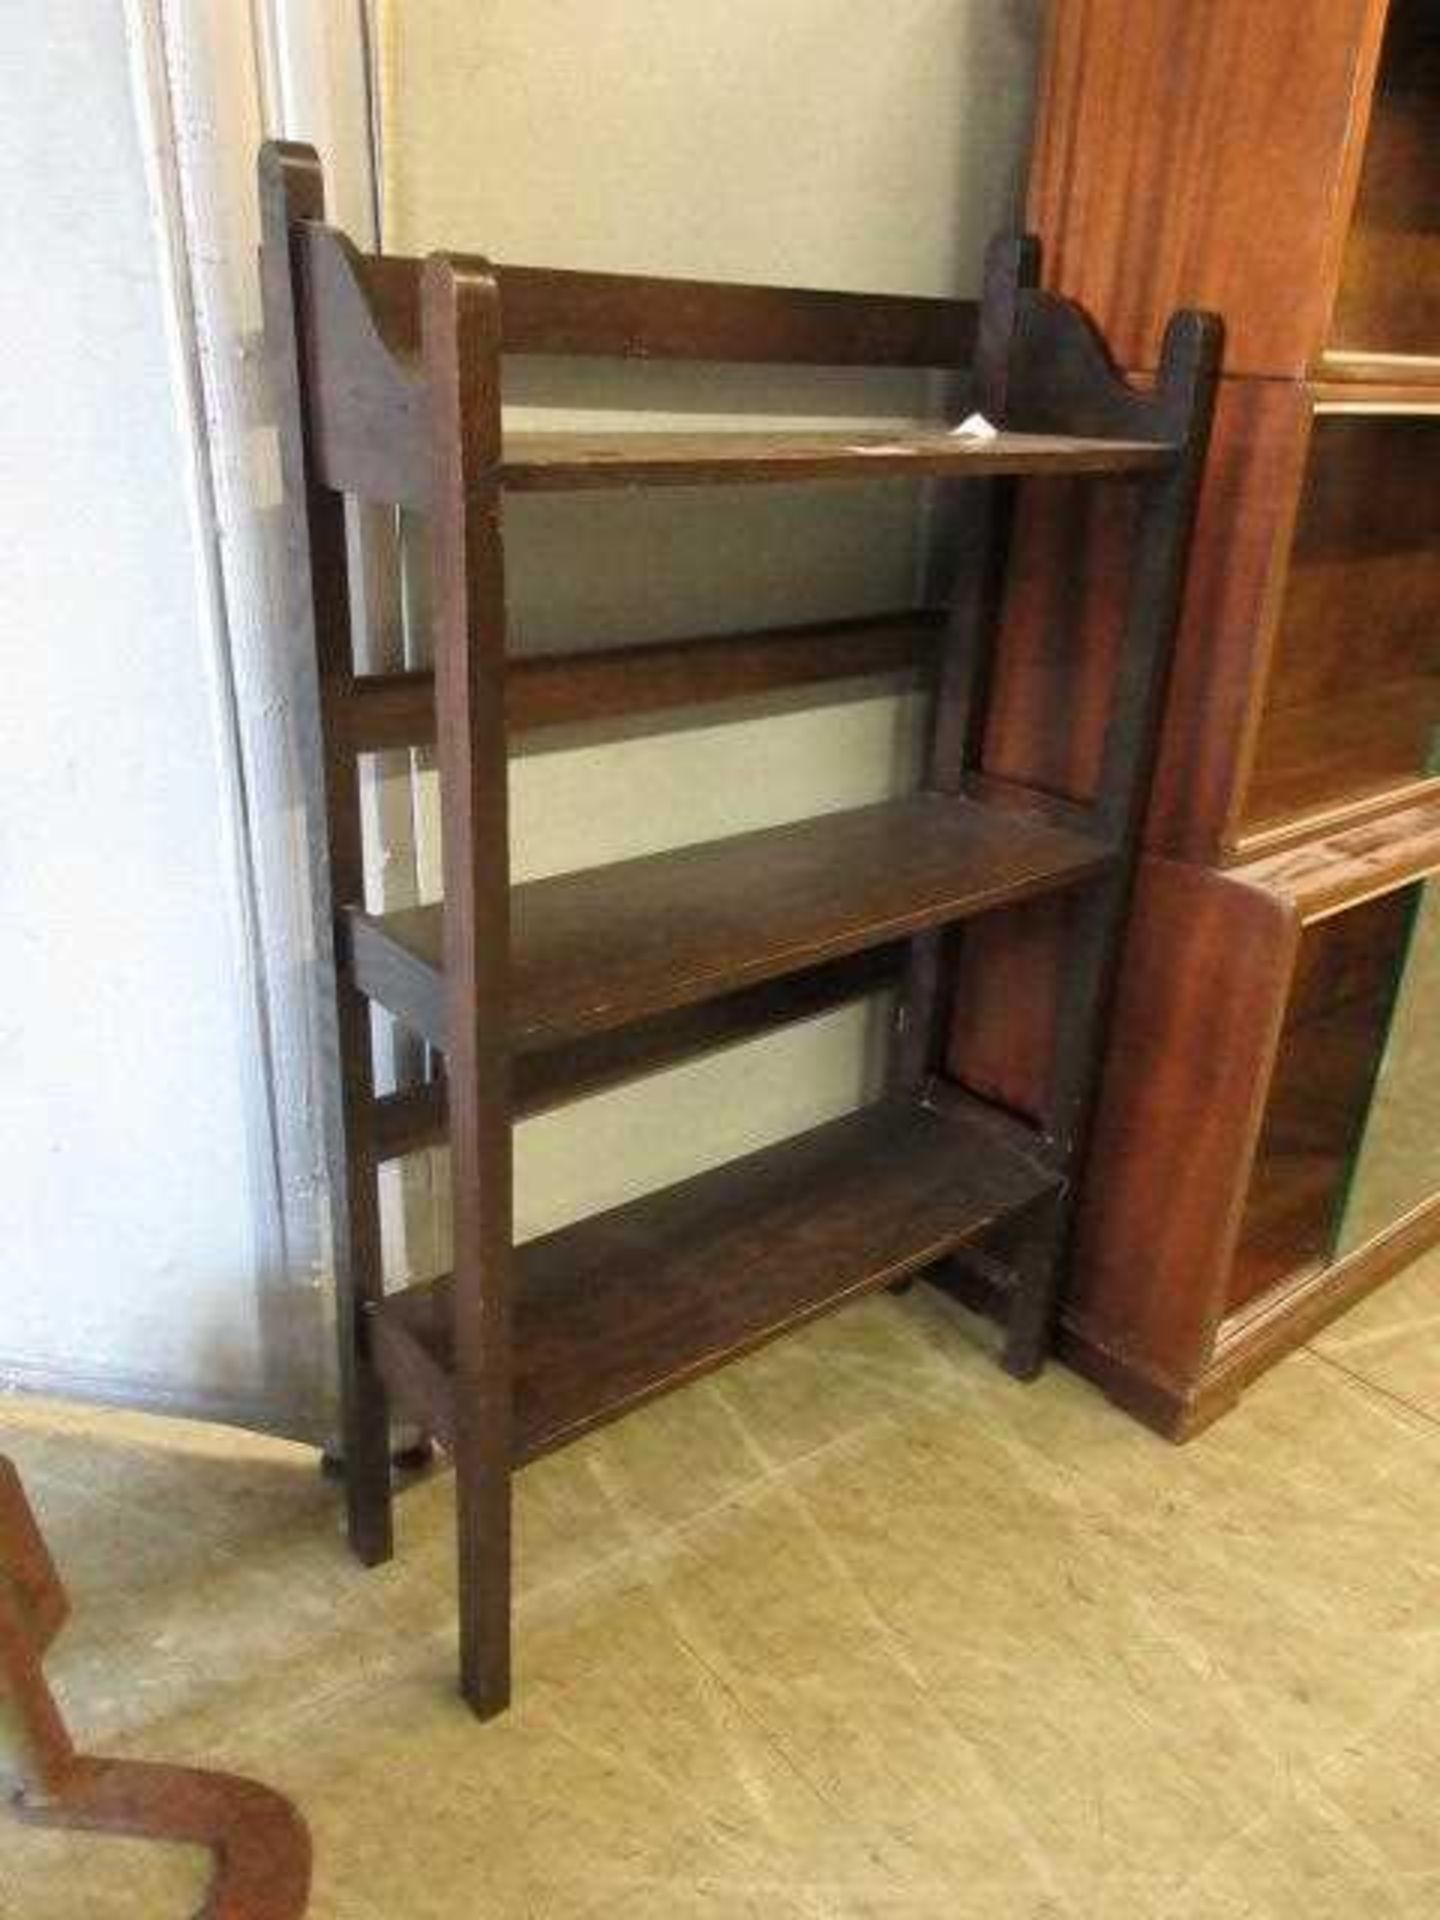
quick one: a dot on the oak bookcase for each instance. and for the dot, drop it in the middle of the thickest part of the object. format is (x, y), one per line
(1280, 162)
(389, 380)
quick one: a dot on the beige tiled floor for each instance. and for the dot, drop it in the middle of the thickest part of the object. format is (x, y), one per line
(859, 1628)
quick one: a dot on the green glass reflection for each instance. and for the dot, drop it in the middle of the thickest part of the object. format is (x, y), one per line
(1396, 1165)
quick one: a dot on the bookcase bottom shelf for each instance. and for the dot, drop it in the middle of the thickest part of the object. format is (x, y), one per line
(632, 1302)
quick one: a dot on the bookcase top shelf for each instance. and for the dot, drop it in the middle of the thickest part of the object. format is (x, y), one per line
(535, 462)
(370, 401)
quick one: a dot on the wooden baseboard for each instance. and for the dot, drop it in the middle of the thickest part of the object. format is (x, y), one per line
(1251, 1341)
(1166, 1406)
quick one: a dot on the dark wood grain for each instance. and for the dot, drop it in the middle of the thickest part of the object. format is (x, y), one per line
(556, 690)
(978, 542)
(1071, 557)
(414, 1118)
(613, 944)
(460, 312)
(318, 624)
(539, 991)
(631, 1303)
(633, 316)
(1032, 990)
(565, 462)
(369, 419)
(626, 316)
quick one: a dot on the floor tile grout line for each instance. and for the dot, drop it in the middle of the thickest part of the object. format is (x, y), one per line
(1386, 1394)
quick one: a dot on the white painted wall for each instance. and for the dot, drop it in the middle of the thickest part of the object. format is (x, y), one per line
(160, 1201)
(132, 1183)
(805, 142)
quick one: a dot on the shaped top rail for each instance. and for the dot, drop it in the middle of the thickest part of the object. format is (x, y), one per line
(643, 317)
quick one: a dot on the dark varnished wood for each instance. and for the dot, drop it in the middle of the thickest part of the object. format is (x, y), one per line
(260, 1845)
(633, 316)
(559, 985)
(360, 333)
(565, 462)
(612, 944)
(318, 620)
(556, 690)
(978, 538)
(1033, 986)
(631, 1303)
(461, 343)
(415, 1118)
(369, 407)
(370, 415)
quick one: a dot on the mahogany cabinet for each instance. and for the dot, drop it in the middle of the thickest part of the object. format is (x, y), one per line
(1267, 1146)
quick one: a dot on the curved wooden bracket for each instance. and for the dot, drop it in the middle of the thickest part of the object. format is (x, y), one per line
(1063, 379)
(259, 1841)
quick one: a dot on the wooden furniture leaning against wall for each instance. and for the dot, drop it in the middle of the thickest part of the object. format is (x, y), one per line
(259, 1843)
(1282, 163)
(390, 385)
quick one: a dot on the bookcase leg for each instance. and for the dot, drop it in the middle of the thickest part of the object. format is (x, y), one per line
(461, 337)
(1029, 1329)
(483, 1518)
(367, 1468)
(360, 1283)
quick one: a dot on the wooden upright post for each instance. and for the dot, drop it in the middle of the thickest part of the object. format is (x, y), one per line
(460, 313)
(292, 190)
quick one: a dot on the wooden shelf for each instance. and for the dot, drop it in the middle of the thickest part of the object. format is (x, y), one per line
(629, 1303)
(391, 384)
(564, 462)
(620, 943)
